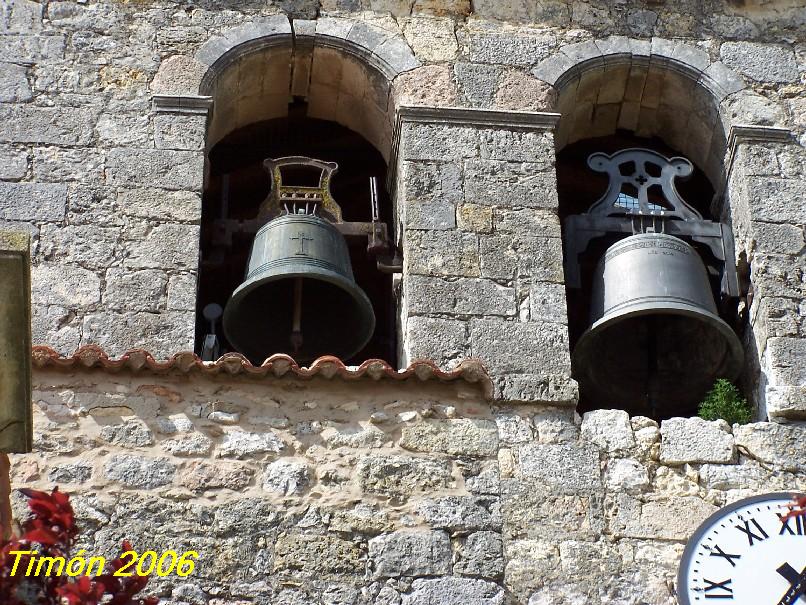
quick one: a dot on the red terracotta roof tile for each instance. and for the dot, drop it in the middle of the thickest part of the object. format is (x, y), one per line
(94, 357)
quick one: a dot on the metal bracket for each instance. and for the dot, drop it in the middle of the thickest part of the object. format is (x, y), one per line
(620, 212)
(294, 199)
(284, 198)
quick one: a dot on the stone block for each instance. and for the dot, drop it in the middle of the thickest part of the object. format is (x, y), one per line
(547, 303)
(532, 511)
(473, 217)
(749, 475)
(786, 402)
(286, 477)
(91, 246)
(674, 519)
(162, 334)
(32, 201)
(441, 253)
(461, 513)
(13, 163)
(451, 590)
(508, 48)
(555, 425)
(56, 327)
(463, 296)
(139, 472)
(554, 389)
(508, 346)
(136, 290)
(480, 555)
(506, 257)
(182, 292)
(317, 555)
(46, 125)
(431, 192)
(351, 436)
(241, 444)
(780, 445)
(397, 55)
(609, 429)
(401, 475)
(527, 222)
(518, 91)
(203, 476)
(566, 467)
(430, 85)
(760, 62)
(778, 239)
(408, 553)
(183, 132)
(778, 276)
(536, 148)
(477, 83)
(124, 129)
(72, 472)
(175, 170)
(500, 183)
(431, 38)
(626, 475)
(32, 48)
(513, 429)
(168, 246)
(443, 341)
(786, 356)
(194, 444)
(438, 142)
(686, 440)
(458, 437)
(59, 165)
(159, 204)
(14, 86)
(65, 285)
(130, 433)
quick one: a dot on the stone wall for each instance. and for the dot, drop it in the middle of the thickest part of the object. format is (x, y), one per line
(376, 493)
(103, 139)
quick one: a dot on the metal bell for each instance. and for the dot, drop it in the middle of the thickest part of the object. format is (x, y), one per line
(299, 296)
(656, 344)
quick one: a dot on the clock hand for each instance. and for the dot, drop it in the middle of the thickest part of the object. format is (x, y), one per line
(798, 584)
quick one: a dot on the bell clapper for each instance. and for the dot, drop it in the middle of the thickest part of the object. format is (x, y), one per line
(296, 329)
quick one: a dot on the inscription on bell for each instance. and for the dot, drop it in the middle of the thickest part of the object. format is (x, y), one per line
(302, 238)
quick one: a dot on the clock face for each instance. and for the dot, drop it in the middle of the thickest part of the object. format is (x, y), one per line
(745, 554)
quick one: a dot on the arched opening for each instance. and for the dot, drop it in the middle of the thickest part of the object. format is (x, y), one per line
(272, 101)
(608, 107)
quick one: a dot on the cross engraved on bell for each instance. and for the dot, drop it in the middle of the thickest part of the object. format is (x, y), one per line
(302, 238)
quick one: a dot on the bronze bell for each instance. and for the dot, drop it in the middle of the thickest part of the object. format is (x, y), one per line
(299, 296)
(656, 343)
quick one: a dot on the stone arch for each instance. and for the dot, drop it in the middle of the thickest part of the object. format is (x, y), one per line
(343, 68)
(661, 88)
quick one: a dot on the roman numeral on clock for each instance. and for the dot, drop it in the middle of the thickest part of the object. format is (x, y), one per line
(722, 590)
(797, 522)
(728, 557)
(752, 537)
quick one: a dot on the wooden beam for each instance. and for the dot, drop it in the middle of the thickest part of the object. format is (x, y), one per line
(16, 423)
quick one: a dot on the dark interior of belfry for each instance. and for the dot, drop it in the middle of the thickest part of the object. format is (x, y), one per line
(237, 184)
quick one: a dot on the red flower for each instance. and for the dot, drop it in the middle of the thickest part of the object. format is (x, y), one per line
(50, 532)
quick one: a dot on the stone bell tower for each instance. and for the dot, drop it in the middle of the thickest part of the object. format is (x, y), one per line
(473, 449)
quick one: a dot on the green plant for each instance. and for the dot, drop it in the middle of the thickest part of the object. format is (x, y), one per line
(726, 402)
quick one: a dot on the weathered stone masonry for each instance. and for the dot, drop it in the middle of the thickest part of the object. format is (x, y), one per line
(336, 492)
(360, 492)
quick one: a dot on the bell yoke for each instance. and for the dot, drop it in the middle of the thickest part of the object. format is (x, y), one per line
(299, 295)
